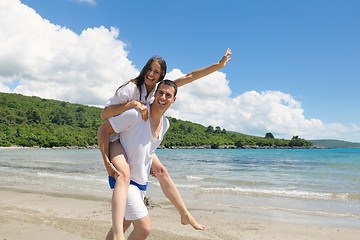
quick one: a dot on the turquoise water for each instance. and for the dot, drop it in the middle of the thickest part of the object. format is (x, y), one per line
(310, 186)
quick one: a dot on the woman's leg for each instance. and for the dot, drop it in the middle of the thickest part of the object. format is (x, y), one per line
(119, 160)
(172, 193)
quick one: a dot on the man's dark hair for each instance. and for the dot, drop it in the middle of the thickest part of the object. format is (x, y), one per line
(170, 83)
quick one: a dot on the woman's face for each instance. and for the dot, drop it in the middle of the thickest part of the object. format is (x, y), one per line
(153, 74)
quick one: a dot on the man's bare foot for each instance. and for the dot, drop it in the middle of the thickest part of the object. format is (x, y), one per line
(189, 219)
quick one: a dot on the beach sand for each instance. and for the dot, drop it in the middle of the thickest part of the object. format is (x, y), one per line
(38, 216)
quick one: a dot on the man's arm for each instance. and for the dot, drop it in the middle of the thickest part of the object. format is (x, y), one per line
(103, 134)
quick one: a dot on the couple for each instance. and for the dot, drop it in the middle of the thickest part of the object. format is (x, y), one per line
(134, 155)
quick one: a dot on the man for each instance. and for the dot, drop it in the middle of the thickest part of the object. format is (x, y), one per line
(140, 140)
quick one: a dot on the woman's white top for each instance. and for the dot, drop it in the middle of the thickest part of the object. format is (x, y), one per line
(127, 93)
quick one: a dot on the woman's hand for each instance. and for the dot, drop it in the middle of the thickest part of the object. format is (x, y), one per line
(152, 172)
(202, 72)
(225, 58)
(112, 171)
(142, 108)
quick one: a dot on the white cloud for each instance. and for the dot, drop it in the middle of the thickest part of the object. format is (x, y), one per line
(208, 101)
(91, 2)
(51, 61)
(4, 88)
(54, 62)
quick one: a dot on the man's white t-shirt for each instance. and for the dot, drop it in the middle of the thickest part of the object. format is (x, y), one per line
(138, 142)
(127, 93)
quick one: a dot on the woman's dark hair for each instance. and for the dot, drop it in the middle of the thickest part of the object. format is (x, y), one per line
(139, 80)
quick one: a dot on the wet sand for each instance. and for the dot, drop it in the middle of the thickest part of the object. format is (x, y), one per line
(38, 216)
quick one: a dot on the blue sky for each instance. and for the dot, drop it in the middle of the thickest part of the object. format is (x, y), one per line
(305, 51)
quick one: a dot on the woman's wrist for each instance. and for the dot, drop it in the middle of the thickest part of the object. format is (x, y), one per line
(133, 104)
(220, 65)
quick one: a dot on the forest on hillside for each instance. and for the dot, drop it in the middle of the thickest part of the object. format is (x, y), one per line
(33, 121)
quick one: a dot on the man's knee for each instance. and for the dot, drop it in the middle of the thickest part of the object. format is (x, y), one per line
(142, 232)
(145, 230)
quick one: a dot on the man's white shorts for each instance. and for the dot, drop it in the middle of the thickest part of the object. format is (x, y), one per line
(135, 207)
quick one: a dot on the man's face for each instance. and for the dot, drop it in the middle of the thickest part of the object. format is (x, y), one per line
(164, 96)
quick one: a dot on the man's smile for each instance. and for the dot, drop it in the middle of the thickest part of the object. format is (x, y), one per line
(161, 102)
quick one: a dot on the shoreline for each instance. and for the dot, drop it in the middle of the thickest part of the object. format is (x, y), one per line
(176, 147)
(39, 216)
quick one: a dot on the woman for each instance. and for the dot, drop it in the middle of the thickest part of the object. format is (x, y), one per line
(134, 94)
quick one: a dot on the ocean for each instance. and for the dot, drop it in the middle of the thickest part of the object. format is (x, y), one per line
(314, 186)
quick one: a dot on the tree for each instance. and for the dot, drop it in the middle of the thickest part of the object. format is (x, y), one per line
(190, 129)
(210, 129)
(269, 135)
(33, 115)
(239, 143)
(217, 129)
(299, 142)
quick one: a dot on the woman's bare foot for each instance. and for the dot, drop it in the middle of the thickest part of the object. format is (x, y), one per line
(189, 219)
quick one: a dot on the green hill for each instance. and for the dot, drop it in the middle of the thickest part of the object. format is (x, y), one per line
(331, 143)
(33, 121)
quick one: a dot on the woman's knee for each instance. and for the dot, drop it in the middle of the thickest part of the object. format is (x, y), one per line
(123, 169)
(124, 176)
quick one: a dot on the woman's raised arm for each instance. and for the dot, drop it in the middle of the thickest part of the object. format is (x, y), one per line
(202, 72)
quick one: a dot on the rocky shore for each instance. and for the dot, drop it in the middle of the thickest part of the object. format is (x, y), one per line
(241, 147)
(181, 147)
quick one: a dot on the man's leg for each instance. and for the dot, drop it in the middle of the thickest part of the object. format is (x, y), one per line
(110, 235)
(172, 193)
(118, 158)
(142, 228)
(127, 224)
